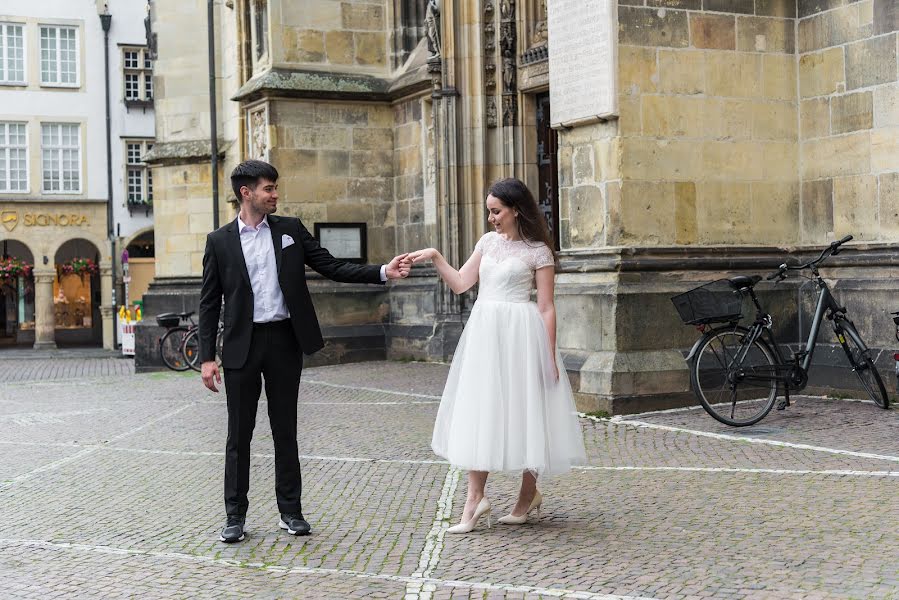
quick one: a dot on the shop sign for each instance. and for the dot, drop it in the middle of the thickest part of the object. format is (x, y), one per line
(10, 218)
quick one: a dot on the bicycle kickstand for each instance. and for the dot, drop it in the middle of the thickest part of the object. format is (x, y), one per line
(783, 404)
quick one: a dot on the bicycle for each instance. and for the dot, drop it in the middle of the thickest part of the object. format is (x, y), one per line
(735, 371)
(191, 347)
(896, 355)
(171, 344)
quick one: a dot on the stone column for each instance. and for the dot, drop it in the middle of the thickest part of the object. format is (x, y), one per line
(44, 318)
(106, 309)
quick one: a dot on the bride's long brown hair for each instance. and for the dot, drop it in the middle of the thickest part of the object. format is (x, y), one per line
(531, 224)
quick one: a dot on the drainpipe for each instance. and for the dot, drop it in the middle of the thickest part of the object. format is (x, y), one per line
(106, 22)
(213, 118)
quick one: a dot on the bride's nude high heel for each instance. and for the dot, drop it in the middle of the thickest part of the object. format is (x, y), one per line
(536, 503)
(482, 509)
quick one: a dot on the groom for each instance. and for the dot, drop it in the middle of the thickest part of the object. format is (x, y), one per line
(256, 263)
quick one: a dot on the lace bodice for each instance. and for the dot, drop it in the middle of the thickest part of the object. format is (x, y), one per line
(507, 267)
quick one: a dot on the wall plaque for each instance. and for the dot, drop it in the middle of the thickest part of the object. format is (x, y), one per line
(346, 241)
(582, 61)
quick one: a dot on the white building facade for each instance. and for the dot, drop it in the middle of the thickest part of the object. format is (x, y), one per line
(63, 226)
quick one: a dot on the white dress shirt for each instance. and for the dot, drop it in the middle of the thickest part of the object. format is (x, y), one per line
(259, 254)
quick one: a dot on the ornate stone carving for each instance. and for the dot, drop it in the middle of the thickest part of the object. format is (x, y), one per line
(510, 110)
(432, 26)
(507, 43)
(257, 122)
(491, 112)
(490, 62)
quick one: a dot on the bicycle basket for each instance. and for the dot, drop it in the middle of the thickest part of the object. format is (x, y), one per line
(714, 302)
(168, 320)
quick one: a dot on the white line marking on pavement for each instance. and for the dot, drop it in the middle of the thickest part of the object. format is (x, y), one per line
(366, 389)
(797, 399)
(409, 461)
(279, 570)
(618, 420)
(87, 450)
(839, 472)
(430, 554)
(403, 403)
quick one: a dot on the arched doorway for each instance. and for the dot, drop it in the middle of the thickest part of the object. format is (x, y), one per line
(16, 294)
(141, 266)
(76, 294)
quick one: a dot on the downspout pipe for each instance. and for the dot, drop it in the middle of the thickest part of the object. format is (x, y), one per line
(213, 117)
(106, 22)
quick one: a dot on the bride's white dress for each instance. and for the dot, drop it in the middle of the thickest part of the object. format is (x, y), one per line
(502, 408)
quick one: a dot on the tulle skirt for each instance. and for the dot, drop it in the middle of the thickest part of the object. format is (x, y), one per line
(502, 408)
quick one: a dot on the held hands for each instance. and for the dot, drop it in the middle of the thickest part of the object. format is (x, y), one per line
(423, 255)
(399, 267)
(209, 371)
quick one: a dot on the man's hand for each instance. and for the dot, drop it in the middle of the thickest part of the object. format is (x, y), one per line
(399, 267)
(209, 371)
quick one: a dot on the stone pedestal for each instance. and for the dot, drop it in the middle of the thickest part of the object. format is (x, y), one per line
(165, 294)
(44, 318)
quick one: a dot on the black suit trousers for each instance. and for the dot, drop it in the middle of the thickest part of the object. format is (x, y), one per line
(275, 357)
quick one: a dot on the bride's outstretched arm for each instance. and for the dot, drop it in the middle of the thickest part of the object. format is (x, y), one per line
(546, 305)
(458, 281)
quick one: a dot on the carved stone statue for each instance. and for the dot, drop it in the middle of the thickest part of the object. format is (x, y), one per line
(432, 26)
(505, 9)
(259, 143)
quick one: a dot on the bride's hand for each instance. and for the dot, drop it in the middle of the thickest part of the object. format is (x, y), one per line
(556, 370)
(422, 255)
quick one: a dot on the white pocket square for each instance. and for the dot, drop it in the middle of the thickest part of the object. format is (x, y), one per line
(286, 241)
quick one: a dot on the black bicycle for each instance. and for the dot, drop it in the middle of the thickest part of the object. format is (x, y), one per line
(172, 343)
(736, 371)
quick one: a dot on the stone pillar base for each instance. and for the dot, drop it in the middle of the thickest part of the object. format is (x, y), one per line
(45, 345)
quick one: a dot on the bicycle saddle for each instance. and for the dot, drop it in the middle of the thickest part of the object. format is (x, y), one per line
(743, 281)
(185, 315)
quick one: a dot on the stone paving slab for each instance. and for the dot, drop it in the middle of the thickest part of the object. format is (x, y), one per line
(829, 422)
(410, 377)
(656, 535)
(28, 369)
(82, 573)
(356, 431)
(19, 460)
(129, 504)
(365, 516)
(619, 444)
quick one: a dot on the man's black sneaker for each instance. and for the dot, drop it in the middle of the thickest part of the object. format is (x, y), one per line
(294, 524)
(233, 530)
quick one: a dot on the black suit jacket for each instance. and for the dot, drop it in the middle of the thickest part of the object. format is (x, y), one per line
(225, 275)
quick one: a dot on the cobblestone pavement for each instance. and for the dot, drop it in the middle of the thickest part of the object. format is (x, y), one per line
(110, 487)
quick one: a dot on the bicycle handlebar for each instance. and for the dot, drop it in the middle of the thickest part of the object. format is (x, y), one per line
(833, 248)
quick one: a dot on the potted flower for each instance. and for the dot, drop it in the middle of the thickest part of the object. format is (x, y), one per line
(79, 266)
(11, 268)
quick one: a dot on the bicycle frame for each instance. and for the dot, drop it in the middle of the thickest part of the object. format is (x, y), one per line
(826, 307)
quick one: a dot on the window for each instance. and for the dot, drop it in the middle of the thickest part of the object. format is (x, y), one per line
(138, 177)
(13, 158)
(12, 53)
(260, 29)
(59, 56)
(137, 75)
(61, 157)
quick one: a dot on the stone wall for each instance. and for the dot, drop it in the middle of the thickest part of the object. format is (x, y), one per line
(849, 119)
(708, 124)
(335, 160)
(350, 33)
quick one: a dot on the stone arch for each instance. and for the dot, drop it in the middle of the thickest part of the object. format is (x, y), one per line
(138, 237)
(77, 300)
(17, 297)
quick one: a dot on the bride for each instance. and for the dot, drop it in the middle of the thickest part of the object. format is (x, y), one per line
(505, 407)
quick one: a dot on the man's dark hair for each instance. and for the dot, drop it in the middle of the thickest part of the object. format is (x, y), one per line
(248, 173)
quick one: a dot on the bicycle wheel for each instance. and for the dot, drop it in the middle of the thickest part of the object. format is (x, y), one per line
(862, 365)
(170, 348)
(734, 379)
(190, 348)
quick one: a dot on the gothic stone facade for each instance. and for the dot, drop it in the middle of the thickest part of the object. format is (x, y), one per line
(747, 131)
